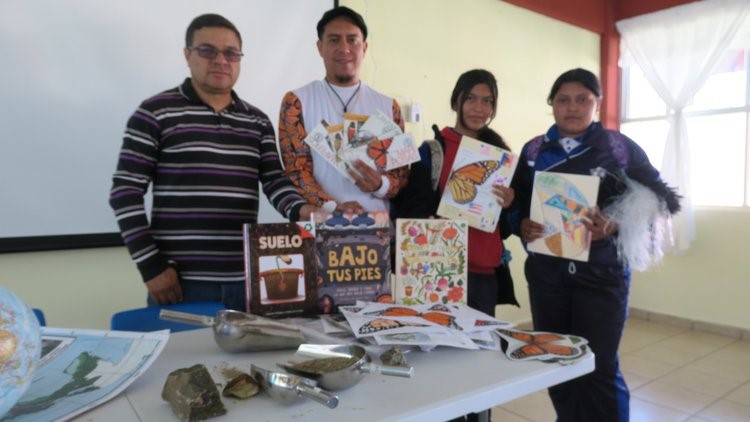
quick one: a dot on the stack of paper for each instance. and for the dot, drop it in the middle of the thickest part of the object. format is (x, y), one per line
(374, 139)
(427, 326)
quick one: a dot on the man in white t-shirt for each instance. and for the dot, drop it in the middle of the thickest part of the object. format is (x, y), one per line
(342, 43)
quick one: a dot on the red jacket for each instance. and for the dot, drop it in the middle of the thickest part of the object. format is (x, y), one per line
(485, 249)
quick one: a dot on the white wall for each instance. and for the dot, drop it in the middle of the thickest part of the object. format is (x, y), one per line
(75, 70)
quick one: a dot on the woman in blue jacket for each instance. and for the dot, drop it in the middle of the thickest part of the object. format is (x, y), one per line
(589, 299)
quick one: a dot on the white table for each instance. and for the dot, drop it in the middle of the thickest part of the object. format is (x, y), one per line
(447, 383)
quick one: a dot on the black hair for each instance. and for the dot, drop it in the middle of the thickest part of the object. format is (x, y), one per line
(342, 12)
(209, 20)
(582, 76)
(491, 137)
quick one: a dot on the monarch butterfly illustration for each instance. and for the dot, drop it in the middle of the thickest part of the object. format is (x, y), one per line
(378, 151)
(463, 182)
(486, 323)
(382, 324)
(434, 317)
(439, 307)
(540, 344)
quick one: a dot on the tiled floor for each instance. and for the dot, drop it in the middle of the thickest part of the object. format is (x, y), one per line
(674, 374)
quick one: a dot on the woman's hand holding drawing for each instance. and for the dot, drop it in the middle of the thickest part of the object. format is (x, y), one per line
(504, 195)
(598, 224)
(531, 230)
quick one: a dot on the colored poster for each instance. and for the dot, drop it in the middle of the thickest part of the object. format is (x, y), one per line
(81, 369)
(561, 201)
(468, 192)
(431, 261)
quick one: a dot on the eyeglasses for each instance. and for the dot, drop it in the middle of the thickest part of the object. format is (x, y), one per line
(207, 51)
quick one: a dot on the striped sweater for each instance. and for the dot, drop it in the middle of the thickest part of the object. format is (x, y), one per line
(203, 167)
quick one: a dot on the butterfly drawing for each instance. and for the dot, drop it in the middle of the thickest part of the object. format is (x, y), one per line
(463, 182)
(382, 324)
(439, 307)
(378, 151)
(487, 323)
(544, 346)
(438, 318)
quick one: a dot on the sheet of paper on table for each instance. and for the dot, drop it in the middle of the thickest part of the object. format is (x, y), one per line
(81, 369)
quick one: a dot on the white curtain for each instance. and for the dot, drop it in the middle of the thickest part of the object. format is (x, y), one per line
(677, 49)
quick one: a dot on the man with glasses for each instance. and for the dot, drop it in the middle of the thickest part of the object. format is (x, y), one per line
(342, 43)
(203, 150)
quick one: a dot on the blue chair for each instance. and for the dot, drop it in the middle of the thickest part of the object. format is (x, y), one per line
(40, 316)
(147, 319)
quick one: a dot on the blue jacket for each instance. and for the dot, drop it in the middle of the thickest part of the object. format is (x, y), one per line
(606, 153)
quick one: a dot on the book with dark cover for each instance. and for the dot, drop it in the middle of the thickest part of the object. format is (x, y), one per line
(354, 258)
(280, 269)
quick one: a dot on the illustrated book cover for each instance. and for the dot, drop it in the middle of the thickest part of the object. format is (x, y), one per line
(561, 201)
(354, 258)
(468, 192)
(431, 261)
(280, 269)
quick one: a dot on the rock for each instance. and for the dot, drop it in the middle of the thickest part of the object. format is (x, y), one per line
(393, 357)
(192, 394)
(242, 386)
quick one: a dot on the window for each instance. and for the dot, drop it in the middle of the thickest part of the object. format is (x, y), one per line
(717, 124)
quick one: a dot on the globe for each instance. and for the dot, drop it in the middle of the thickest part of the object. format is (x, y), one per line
(20, 346)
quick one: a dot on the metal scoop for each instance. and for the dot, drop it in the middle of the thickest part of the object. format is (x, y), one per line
(288, 389)
(236, 331)
(351, 367)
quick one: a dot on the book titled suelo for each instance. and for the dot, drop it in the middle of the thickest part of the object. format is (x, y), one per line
(280, 269)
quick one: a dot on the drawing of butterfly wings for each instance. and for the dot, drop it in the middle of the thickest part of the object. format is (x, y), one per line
(378, 151)
(539, 345)
(441, 319)
(439, 308)
(378, 325)
(541, 349)
(438, 318)
(463, 181)
(394, 311)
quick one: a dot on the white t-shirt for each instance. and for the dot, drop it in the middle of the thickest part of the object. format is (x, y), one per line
(320, 103)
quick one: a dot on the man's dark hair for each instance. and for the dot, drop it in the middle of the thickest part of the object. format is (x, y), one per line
(209, 20)
(342, 12)
(582, 76)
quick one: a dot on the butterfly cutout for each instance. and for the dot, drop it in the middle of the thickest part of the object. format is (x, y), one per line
(438, 318)
(378, 151)
(463, 182)
(540, 345)
(439, 307)
(487, 323)
(382, 324)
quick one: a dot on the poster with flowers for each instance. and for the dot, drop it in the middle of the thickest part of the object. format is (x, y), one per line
(430, 261)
